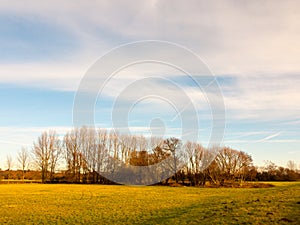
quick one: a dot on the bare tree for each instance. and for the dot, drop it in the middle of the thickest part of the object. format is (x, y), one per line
(172, 145)
(291, 165)
(23, 159)
(9, 162)
(233, 164)
(102, 153)
(195, 154)
(55, 155)
(90, 154)
(74, 156)
(46, 151)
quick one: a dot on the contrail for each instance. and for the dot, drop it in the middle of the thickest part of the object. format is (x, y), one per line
(270, 137)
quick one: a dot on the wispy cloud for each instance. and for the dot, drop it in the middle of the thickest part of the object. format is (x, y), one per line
(294, 122)
(270, 137)
(245, 48)
(233, 42)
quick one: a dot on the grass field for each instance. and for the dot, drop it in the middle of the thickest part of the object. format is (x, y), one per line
(96, 204)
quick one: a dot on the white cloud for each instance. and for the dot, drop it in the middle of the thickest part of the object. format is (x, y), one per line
(273, 97)
(233, 37)
(250, 41)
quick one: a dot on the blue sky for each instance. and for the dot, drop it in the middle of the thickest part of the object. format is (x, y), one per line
(25, 38)
(253, 50)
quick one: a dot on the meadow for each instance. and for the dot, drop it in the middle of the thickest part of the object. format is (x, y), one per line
(101, 204)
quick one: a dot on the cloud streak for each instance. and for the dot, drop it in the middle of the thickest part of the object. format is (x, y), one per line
(270, 137)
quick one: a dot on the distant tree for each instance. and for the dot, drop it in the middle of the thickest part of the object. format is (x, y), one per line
(271, 170)
(55, 155)
(233, 164)
(214, 173)
(23, 159)
(74, 156)
(291, 165)
(195, 155)
(252, 173)
(139, 158)
(46, 152)
(172, 145)
(90, 153)
(9, 162)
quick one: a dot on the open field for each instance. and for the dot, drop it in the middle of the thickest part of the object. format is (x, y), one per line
(96, 204)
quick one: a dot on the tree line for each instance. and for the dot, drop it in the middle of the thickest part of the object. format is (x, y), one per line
(99, 156)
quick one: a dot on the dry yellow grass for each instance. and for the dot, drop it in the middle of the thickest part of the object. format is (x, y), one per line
(96, 204)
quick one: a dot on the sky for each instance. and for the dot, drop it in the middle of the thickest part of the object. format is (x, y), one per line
(252, 48)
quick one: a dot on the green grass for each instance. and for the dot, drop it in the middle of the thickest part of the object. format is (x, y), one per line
(96, 204)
